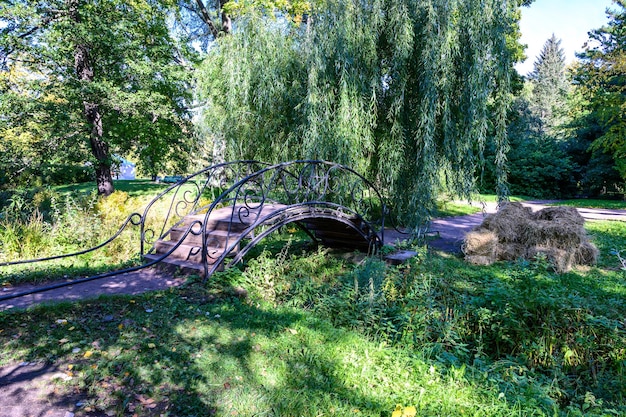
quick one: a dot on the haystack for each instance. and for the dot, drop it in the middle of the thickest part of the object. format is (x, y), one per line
(516, 232)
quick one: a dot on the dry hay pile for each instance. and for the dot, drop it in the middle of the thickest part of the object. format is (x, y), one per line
(516, 232)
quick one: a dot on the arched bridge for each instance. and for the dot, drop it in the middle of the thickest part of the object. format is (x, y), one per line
(212, 218)
(218, 214)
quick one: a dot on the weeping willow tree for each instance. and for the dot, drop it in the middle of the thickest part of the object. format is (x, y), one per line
(406, 91)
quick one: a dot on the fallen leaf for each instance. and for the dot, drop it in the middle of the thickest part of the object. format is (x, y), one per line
(88, 354)
(151, 345)
(146, 402)
(292, 331)
(410, 412)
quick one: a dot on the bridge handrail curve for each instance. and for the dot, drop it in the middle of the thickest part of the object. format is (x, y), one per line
(299, 185)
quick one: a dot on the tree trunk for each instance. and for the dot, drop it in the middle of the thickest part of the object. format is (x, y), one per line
(99, 148)
(227, 24)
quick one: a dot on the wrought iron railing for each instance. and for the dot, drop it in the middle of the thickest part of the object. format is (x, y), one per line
(261, 195)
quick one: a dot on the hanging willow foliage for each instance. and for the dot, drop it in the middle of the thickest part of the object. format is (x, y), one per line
(404, 90)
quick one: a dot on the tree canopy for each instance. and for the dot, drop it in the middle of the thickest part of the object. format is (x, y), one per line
(92, 78)
(406, 90)
(550, 84)
(602, 78)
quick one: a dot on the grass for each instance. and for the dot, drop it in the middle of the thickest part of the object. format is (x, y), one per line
(493, 198)
(455, 208)
(185, 355)
(452, 208)
(56, 221)
(134, 188)
(591, 203)
(320, 333)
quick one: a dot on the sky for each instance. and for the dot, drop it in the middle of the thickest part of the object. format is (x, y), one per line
(569, 20)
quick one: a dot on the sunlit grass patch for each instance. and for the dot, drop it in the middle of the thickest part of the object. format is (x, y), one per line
(593, 203)
(178, 353)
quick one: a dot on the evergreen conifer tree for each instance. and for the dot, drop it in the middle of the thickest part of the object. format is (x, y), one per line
(550, 85)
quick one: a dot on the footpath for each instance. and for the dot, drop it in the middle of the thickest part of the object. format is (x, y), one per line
(448, 236)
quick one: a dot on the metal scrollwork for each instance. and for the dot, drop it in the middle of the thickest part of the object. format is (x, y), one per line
(255, 195)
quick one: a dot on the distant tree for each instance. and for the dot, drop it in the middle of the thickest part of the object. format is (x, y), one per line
(538, 165)
(102, 74)
(602, 80)
(550, 85)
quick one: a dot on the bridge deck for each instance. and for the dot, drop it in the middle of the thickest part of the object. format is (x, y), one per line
(227, 227)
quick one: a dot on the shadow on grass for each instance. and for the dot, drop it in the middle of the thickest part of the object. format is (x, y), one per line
(72, 268)
(185, 353)
(476, 340)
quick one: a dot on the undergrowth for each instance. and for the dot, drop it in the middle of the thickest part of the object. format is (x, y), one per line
(556, 342)
(47, 222)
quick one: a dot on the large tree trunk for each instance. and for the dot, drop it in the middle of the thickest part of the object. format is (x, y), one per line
(99, 148)
(227, 24)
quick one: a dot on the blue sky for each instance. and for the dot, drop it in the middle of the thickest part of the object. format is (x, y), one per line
(569, 20)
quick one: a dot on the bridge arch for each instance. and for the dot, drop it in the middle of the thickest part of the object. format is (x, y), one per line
(332, 203)
(212, 218)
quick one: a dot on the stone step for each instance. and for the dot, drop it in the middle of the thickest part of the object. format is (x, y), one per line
(190, 253)
(214, 237)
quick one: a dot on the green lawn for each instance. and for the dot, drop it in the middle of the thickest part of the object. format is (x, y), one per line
(591, 203)
(451, 208)
(322, 333)
(493, 198)
(135, 188)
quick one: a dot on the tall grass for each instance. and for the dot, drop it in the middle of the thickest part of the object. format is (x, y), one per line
(557, 342)
(48, 223)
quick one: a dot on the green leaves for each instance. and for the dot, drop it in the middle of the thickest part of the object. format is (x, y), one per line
(397, 89)
(603, 83)
(128, 73)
